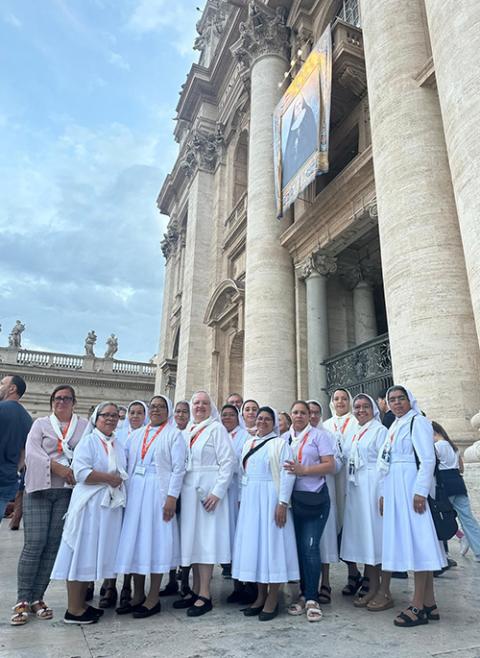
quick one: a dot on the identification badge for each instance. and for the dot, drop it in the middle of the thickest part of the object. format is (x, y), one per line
(140, 470)
(244, 480)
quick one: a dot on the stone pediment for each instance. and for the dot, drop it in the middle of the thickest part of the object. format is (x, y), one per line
(224, 301)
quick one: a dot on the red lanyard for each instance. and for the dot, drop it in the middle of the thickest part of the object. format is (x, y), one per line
(360, 436)
(300, 450)
(245, 462)
(194, 438)
(104, 445)
(64, 434)
(145, 445)
(344, 426)
(233, 434)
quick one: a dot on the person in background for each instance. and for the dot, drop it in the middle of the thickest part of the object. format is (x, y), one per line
(48, 484)
(386, 415)
(15, 424)
(122, 410)
(235, 399)
(284, 423)
(248, 416)
(316, 412)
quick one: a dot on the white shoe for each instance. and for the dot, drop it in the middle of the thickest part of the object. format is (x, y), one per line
(464, 546)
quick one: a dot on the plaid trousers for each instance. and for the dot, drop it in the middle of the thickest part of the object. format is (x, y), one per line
(43, 513)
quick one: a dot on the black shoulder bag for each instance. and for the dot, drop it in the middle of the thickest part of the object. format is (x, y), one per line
(441, 509)
(254, 450)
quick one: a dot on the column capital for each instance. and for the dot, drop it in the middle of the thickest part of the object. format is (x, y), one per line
(366, 272)
(265, 32)
(319, 262)
(202, 151)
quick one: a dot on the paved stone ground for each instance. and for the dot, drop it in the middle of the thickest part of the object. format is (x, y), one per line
(344, 631)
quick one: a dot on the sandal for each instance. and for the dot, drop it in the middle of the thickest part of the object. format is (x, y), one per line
(20, 613)
(313, 611)
(408, 622)
(381, 604)
(353, 585)
(432, 612)
(42, 610)
(109, 599)
(125, 596)
(325, 595)
(298, 608)
(364, 587)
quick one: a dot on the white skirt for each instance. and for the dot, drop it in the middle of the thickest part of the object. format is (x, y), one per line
(148, 544)
(204, 536)
(329, 538)
(233, 508)
(409, 540)
(362, 523)
(263, 552)
(93, 556)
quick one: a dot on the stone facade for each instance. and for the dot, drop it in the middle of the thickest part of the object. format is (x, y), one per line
(94, 379)
(371, 275)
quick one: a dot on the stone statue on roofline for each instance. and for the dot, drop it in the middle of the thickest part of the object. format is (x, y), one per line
(15, 337)
(90, 341)
(112, 346)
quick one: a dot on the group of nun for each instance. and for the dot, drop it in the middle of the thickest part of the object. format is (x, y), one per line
(231, 488)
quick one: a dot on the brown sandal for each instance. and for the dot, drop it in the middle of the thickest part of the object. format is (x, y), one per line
(41, 610)
(20, 613)
(380, 605)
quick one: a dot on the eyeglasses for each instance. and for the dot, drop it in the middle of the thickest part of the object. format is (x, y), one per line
(181, 412)
(112, 416)
(400, 398)
(157, 407)
(362, 407)
(63, 398)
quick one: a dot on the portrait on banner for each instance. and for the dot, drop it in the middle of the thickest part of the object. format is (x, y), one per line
(301, 126)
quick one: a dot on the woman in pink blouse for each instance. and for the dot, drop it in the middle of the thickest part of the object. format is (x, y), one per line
(48, 487)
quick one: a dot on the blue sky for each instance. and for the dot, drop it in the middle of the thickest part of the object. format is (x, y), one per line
(87, 100)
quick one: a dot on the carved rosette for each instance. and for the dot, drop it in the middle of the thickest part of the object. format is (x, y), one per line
(202, 151)
(319, 262)
(265, 32)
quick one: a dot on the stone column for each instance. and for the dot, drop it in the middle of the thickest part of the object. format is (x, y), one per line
(316, 270)
(432, 333)
(455, 41)
(364, 312)
(269, 371)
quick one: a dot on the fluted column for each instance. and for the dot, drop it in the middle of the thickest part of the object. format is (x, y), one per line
(432, 333)
(455, 40)
(269, 369)
(364, 312)
(316, 270)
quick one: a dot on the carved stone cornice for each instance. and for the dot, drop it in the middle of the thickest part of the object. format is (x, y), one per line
(319, 262)
(265, 32)
(202, 151)
(212, 24)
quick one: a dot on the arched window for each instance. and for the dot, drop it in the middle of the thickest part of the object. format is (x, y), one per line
(350, 12)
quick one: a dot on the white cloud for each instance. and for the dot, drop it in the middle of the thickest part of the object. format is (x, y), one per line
(12, 20)
(117, 60)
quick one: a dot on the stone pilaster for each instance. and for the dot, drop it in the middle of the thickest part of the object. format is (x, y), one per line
(432, 333)
(270, 370)
(316, 271)
(455, 41)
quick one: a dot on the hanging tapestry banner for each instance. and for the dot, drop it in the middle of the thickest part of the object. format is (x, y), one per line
(301, 124)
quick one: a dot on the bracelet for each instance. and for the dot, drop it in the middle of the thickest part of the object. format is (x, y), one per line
(283, 504)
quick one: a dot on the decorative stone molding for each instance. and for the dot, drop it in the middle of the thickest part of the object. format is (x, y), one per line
(202, 151)
(265, 32)
(352, 274)
(211, 25)
(319, 262)
(170, 239)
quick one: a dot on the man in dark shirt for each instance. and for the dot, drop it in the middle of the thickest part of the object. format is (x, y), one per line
(15, 423)
(385, 413)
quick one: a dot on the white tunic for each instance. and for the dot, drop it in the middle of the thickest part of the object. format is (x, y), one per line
(343, 428)
(409, 540)
(238, 437)
(93, 554)
(329, 538)
(263, 552)
(362, 523)
(148, 544)
(204, 536)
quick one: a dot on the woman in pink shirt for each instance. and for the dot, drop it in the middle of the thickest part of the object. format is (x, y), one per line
(48, 487)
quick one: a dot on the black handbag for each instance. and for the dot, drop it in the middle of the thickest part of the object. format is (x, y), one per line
(443, 515)
(308, 504)
(452, 482)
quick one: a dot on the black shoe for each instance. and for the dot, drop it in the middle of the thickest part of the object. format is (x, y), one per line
(109, 598)
(252, 612)
(249, 594)
(142, 612)
(235, 596)
(89, 593)
(451, 563)
(125, 596)
(169, 590)
(400, 574)
(185, 603)
(96, 611)
(88, 617)
(199, 610)
(438, 573)
(128, 608)
(227, 571)
(102, 590)
(266, 616)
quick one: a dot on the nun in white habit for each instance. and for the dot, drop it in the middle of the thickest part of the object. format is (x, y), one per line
(265, 550)
(137, 416)
(149, 543)
(409, 539)
(94, 518)
(362, 523)
(204, 520)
